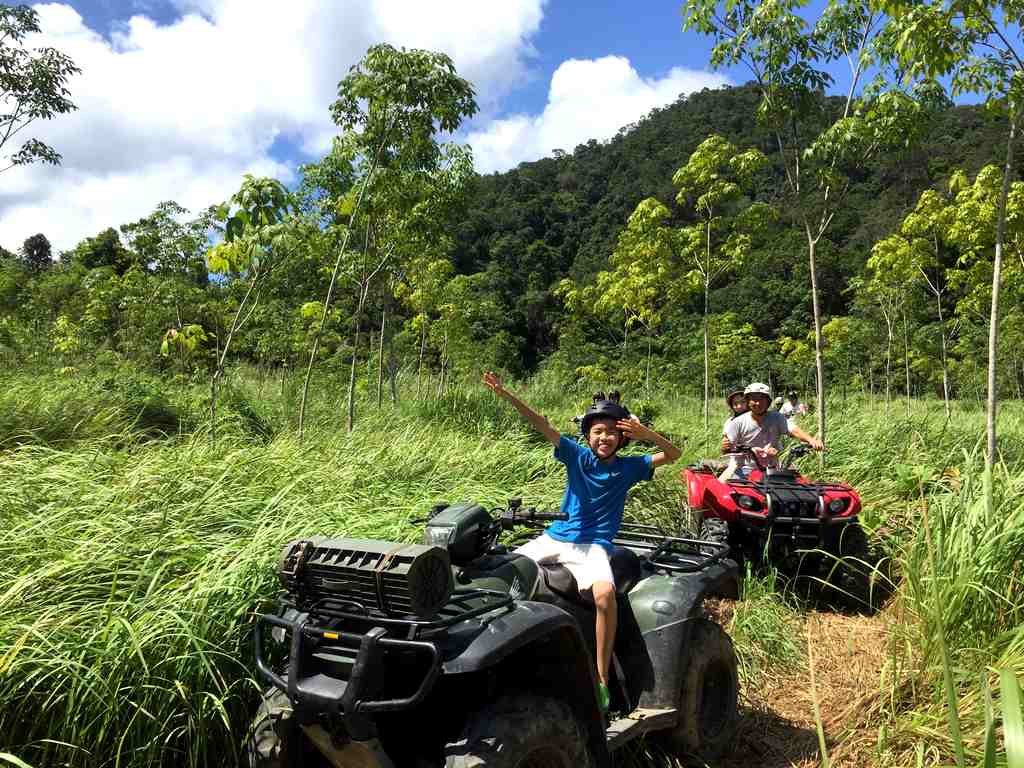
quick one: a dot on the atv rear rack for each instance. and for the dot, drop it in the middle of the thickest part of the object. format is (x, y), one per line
(671, 553)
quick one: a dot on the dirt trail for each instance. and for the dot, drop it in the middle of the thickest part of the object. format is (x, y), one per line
(777, 727)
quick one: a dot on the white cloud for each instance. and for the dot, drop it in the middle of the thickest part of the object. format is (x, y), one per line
(181, 111)
(588, 99)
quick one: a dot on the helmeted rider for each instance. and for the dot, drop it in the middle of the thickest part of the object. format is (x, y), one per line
(762, 430)
(604, 407)
(594, 500)
(793, 409)
(737, 403)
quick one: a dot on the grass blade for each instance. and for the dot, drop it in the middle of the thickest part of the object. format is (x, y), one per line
(1013, 719)
(990, 725)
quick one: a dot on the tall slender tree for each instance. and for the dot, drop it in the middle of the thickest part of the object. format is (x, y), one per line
(256, 233)
(390, 107)
(714, 181)
(817, 147)
(976, 45)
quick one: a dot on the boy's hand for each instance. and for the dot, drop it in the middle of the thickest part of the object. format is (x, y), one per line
(633, 429)
(493, 382)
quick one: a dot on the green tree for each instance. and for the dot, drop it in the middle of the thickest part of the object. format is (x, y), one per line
(927, 228)
(972, 231)
(165, 244)
(818, 149)
(714, 181)
(256, 235)
(33, 86)
(390, 107)
(104, 250)
(891, 270)
(36, 254)
(969, 43)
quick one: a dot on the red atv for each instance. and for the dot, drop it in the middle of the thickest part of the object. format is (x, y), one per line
(776, 515)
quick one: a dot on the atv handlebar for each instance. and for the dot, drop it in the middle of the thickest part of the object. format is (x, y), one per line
(793, 452)
(516, 514)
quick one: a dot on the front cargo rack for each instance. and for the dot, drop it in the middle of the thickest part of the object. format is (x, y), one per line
(337, 631)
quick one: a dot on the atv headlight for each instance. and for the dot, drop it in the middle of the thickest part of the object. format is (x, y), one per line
(438, 535)
(838, 506)
(747, 502)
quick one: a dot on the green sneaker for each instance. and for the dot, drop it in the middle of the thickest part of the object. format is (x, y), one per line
(603, 697)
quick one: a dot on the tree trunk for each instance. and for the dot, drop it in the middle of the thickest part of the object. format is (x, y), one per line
(369, 360)
(350, 419)
(993, 327)
(945, 361)
(330, 291)
(380, 354)
(236, 322)
(707, 363)
(444, 363)
(393, 377)
(888, 367)
(419, 367)
(819, 360)
(648, 385)
(213, 396)
(906, 358)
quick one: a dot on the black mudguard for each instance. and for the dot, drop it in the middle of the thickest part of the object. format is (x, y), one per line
(486, 643)
(536, 647)
(663, 606)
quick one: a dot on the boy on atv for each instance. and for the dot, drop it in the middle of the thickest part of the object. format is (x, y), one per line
(762, 430)
(594, 500)
(737, 403)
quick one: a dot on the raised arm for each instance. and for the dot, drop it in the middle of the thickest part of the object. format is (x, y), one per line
(634, 429)
(538, 422)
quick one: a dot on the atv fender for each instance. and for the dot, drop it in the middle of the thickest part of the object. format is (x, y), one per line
(665, 606)
(506, 634)
(538, 647)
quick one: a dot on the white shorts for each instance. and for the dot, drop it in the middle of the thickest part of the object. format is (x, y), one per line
(587, 563)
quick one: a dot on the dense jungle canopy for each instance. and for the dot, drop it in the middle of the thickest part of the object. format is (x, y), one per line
(509, 240)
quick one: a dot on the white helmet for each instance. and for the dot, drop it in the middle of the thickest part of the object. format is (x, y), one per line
(757, 388)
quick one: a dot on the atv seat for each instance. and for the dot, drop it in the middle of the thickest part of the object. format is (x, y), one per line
(627, 569)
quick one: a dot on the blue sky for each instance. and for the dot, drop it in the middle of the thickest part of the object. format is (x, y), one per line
(179, 98)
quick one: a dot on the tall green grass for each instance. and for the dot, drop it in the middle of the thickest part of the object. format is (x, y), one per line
(130, 577)
(133, 560)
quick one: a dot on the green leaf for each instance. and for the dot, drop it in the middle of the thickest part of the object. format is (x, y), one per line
(7, 757)
(1013, 718)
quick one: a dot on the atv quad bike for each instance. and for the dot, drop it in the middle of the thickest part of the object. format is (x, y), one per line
(458, 652)
(775, 514)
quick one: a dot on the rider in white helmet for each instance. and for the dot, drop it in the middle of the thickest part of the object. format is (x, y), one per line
(761, 429)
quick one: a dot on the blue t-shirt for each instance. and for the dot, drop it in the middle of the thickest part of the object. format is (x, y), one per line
(595, 495)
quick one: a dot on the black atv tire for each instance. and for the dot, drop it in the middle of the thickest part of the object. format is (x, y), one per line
(276, 741)
(521, 730)
(850, 577)
(708, 710)
(714, 529)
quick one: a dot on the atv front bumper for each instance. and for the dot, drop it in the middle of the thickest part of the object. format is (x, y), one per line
(796, 532)
(316, 652)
